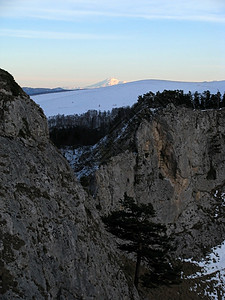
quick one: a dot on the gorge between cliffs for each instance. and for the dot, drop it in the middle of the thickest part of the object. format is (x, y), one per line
(53, 243)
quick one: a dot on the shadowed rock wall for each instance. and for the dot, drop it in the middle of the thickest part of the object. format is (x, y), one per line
(52, 242)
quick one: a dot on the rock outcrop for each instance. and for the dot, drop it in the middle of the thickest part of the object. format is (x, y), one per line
(52, 242)
(172, 157)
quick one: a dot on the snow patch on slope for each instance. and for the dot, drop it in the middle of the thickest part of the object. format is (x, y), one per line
(73, 157)
(212, 273)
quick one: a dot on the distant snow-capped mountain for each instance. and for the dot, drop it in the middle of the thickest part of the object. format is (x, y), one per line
(107, 82)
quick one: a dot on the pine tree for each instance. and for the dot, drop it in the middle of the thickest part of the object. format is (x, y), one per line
(196, 101)
(147, 239)
(223, 101)
(218, 98)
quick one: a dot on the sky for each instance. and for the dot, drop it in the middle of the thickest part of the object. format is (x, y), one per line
(75, 43)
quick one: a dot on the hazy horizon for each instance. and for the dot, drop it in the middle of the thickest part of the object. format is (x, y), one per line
(96, 83)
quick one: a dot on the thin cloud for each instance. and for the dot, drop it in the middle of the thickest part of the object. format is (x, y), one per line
(33, 34)
(199, 18)
(75, 10)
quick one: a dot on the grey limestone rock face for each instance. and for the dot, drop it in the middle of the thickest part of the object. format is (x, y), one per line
(178, 165)
(52, 242)
(19, 115)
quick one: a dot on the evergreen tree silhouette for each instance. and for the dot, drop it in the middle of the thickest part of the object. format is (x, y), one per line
(147, 239)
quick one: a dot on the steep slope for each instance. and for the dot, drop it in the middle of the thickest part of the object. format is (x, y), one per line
(177, 163)
(52, 243)
(107, 98)
(172, 157)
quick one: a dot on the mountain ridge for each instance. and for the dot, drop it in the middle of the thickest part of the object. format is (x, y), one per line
(39, 91)
(120, 95)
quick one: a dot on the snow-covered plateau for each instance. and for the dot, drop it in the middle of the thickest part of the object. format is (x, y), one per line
(120, 95)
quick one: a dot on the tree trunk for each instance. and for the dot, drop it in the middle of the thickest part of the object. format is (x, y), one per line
(138, 264)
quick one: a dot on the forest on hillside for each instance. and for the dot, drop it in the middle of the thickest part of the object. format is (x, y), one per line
(88, 128)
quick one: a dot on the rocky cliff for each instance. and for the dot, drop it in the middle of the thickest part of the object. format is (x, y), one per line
(52, 243)
(172, 157)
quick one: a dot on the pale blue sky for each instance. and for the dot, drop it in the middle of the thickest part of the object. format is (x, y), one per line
(71, 43)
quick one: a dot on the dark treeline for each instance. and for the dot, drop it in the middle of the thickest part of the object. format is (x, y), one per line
(205, 100)
(91, 119)
(76, 136)
(88, 128)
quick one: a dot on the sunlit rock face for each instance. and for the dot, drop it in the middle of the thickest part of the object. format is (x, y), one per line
(174, 158)
(52, 242)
